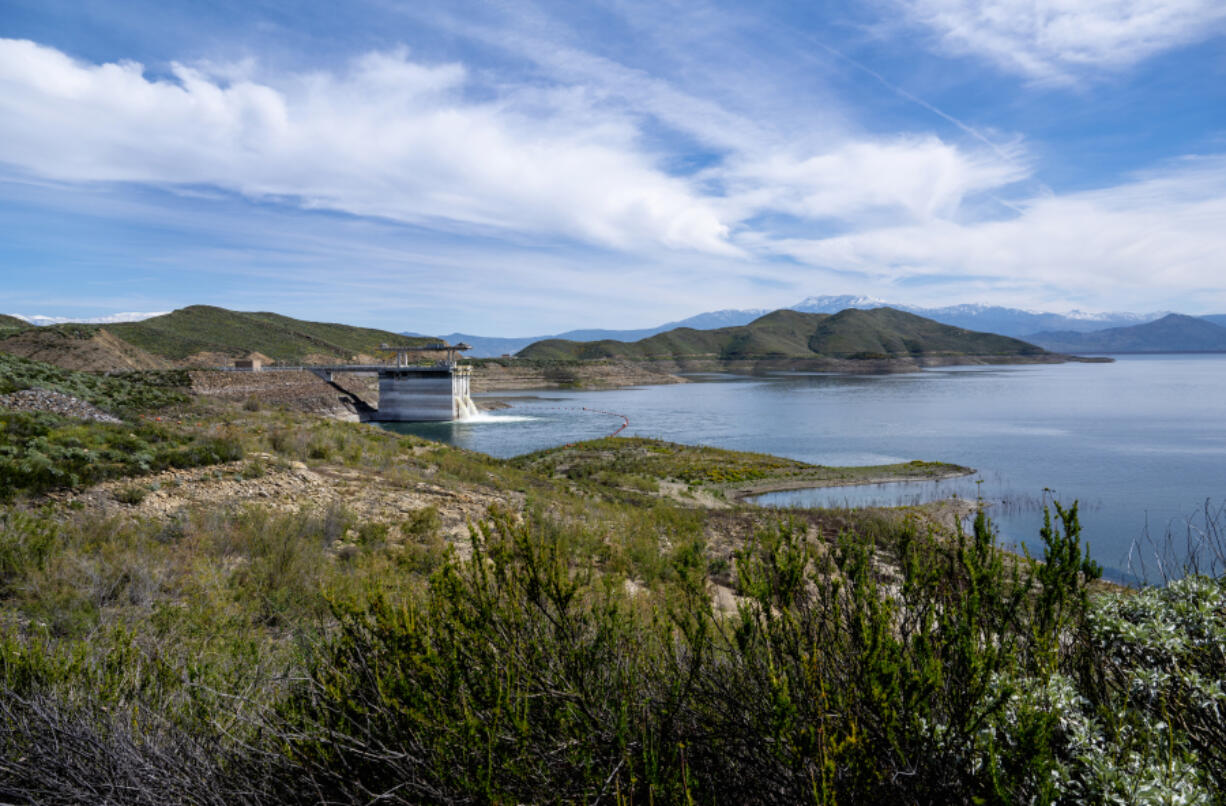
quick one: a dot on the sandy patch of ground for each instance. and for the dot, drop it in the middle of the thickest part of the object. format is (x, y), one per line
(101, 352)
(292, 487)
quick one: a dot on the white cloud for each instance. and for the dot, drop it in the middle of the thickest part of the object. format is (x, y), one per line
(387, 138)
(1161, 233)
(395, 139)
(910, 178)
(1056, 40)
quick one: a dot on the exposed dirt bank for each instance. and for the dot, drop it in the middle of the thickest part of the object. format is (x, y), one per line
(300, 391)
(866, 366)
(292, 486)
(750, 489)
(99, 352)
(492, 376)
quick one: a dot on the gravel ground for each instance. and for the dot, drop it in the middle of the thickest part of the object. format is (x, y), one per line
(55, 403)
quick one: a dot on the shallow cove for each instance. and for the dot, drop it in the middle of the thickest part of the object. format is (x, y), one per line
(1140, 442)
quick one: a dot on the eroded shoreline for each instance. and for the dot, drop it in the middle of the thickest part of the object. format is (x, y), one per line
(743, 493)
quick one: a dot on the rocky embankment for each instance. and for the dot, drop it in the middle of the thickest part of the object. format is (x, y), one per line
(54, 403)
(344, 399)
(499, 376)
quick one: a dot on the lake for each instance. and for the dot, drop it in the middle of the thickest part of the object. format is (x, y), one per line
(1141, 442)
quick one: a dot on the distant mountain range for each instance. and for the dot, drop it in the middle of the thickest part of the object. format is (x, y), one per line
(1013, 322)
(987, 318)
(852, 334)
(199, 328)
(490, 346)
(1173, 333)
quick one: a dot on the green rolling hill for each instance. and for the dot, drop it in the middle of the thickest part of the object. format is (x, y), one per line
(206, 329)
(850, 334)
(197, 335)
(12, 322)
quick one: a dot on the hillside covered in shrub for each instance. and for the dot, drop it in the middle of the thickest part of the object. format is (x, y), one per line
(850, 334)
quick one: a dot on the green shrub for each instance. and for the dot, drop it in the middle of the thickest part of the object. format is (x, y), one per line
(40, 452)
(26, 542)
(132, 494)
(373, 533)
(1162, 656)
(282, 561)
(125, 394)
(422, 522)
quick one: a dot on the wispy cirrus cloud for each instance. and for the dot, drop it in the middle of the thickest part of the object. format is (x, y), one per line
(901, 179)
(1060, 40)
(392, 138)
(388, 138)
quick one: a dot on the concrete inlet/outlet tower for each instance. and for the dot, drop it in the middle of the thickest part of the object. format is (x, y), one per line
(424, 394)
(437, 393)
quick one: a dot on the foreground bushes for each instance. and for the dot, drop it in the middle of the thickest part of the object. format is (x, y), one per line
(950, 677)
(882, 666)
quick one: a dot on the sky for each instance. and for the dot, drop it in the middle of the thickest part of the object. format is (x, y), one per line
(520, 168)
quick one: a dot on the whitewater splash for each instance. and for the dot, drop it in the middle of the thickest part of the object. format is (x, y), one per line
(469, 413)
(468, 409)
(486, 417)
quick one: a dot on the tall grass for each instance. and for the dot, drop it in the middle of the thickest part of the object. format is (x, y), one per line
(894, 670)
(238, 655)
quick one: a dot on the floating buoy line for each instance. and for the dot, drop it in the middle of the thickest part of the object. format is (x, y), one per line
(625, 420)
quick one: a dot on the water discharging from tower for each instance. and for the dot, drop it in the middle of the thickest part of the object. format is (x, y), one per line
(467, 409)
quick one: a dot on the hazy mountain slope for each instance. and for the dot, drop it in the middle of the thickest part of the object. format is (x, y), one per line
(203, 329)
(984, 318)
(1172, 333)
(1215, 318)
(792, 334)
(489, 346)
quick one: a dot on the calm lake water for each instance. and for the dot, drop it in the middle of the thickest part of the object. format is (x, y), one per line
(1141, 442)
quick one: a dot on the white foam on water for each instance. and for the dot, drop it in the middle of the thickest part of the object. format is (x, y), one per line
(469, 413)
(484, 417)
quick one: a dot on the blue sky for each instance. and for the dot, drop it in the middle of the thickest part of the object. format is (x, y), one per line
(517, 168)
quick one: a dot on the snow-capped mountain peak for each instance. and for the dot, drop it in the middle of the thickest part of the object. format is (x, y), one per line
(126, 316)
(834, 304)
